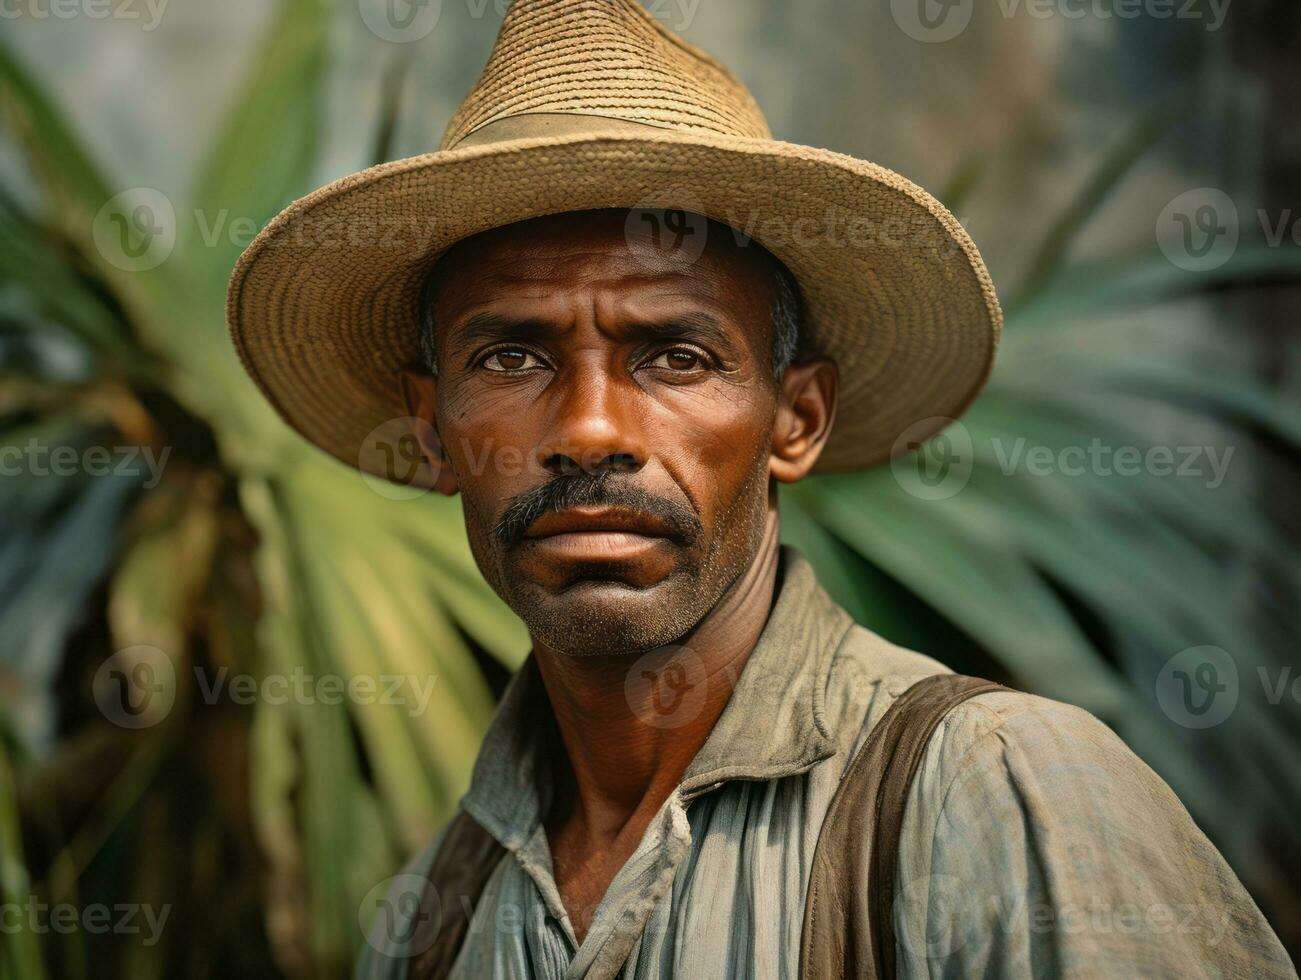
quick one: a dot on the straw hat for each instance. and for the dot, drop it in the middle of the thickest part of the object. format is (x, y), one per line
(588, 104)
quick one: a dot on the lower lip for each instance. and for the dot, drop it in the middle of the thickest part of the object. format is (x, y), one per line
(597, 545)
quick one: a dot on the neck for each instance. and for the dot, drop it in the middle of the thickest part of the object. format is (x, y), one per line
(630, 739)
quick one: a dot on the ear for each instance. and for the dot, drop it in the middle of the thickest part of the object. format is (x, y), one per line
(420, 392)
(806, 410)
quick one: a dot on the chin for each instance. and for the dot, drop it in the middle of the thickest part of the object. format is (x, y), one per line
(602, 618)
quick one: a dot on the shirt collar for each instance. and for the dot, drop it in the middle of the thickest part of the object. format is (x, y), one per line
(774, 724)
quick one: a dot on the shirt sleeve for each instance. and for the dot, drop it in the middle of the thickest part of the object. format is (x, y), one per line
(1036, 844)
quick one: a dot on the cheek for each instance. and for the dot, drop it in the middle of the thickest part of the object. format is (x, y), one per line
(490, 441)
(716, 446)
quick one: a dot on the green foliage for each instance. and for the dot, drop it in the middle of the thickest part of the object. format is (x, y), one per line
(343, 581)
(257, 554)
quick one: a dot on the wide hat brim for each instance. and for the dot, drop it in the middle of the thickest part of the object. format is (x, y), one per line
(322, 306)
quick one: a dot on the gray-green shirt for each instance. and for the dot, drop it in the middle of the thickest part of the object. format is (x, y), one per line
(1034, 842)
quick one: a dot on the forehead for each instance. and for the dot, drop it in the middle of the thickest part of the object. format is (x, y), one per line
(646, 254)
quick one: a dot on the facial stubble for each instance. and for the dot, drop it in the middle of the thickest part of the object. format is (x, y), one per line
(601, 616)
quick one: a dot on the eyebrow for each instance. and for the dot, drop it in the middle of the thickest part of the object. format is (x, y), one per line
(691, 325)
(695, 324)
(494, 326)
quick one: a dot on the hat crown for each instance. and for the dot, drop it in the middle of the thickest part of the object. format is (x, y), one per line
(607, 59)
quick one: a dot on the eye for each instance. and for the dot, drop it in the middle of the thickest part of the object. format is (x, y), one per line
(509, 360)
(680, 359)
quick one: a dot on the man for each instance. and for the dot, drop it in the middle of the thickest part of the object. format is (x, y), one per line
(616, 390)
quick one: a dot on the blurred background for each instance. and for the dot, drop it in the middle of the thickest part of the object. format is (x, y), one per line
(200, 775)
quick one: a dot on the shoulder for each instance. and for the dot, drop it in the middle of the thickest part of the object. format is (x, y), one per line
(1015, 758)
(1036, 748)
(1034, 836)
(1005, 738)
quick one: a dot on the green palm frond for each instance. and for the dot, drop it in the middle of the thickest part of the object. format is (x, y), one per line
(1081, 585)
(257, 554)
(351, 584)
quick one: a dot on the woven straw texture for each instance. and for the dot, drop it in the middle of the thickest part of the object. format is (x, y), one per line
(604, 58)
(589, 104)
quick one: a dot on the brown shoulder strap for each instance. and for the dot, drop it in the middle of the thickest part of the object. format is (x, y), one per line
(858, 849)
(460, 870)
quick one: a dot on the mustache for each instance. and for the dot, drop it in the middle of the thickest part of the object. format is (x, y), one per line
(584, 489)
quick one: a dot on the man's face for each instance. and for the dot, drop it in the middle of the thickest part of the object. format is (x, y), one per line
(606, 410)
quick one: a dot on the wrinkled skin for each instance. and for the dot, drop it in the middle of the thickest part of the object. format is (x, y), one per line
(608, 412)
(564, 345)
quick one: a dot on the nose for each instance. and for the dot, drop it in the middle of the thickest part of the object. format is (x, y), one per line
(595, 427)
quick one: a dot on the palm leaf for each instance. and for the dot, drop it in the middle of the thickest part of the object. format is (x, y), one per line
(267, 147)
(1074, 587)
(20, 955)
(75, 186)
